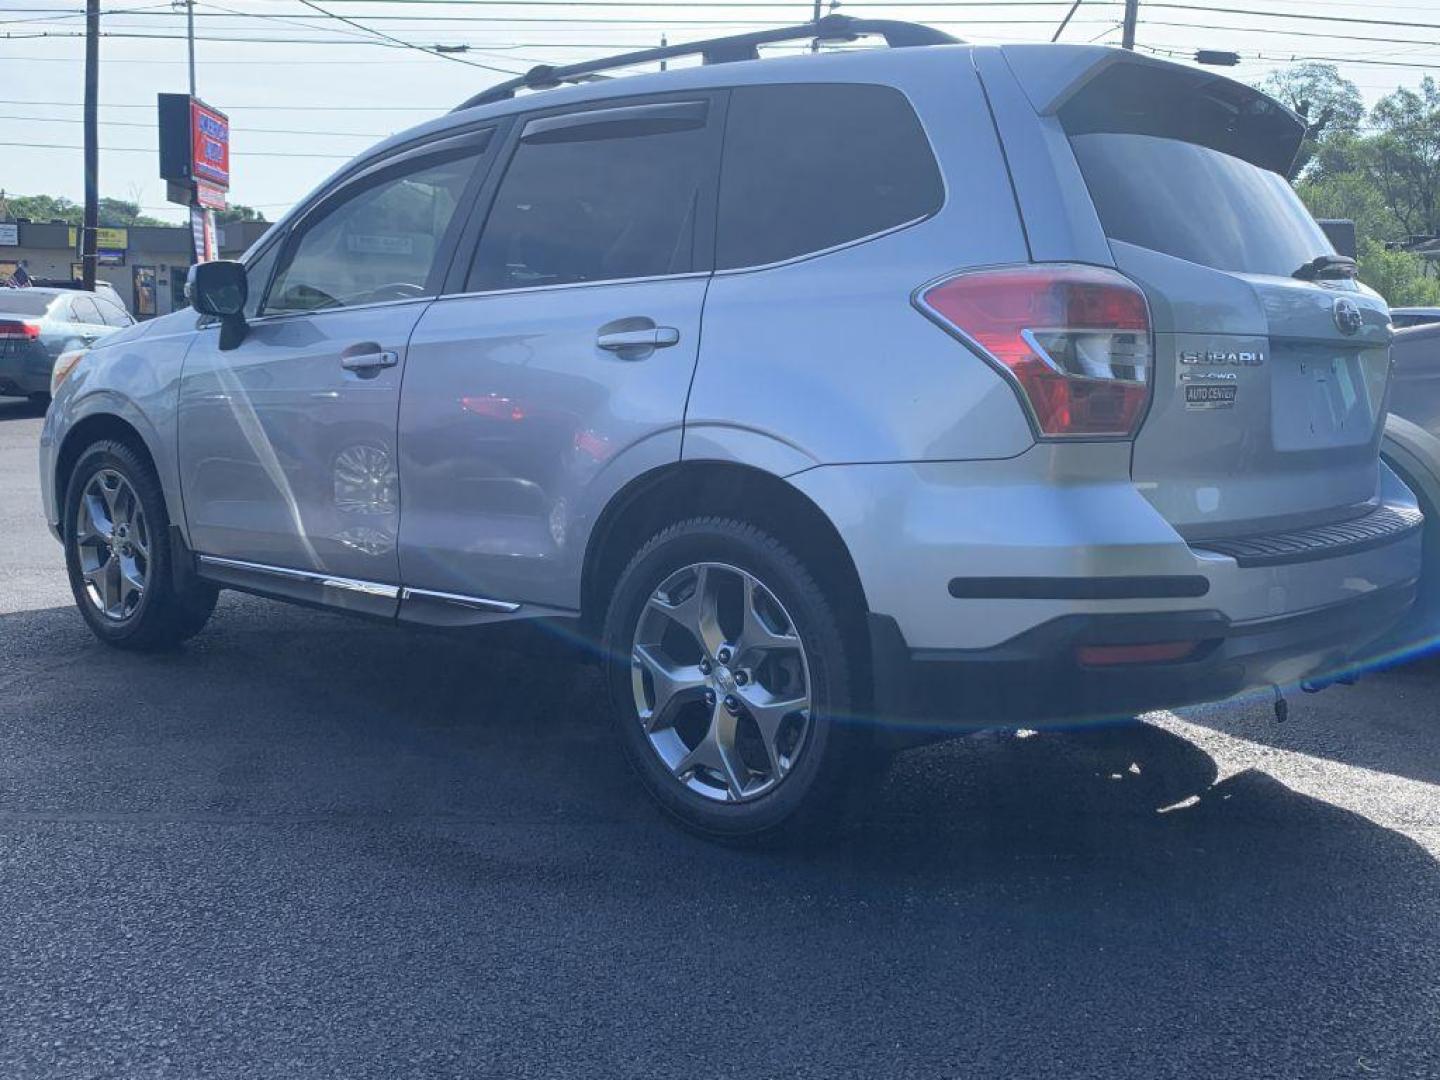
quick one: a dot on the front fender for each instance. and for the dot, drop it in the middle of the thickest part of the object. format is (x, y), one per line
(135, 381)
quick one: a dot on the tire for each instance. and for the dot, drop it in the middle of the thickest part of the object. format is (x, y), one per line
(160, 614)
(797, 781)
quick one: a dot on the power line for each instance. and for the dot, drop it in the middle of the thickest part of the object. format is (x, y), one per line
(669, 4)
(1150, 4)
(1286, 33)
(1296, 58)
(273, 108)
(240, 40)
(151, 150)
(80, 13)
(406, 44)
(151, 127)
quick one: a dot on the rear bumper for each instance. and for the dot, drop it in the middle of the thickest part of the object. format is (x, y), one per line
(984, 578)
(24, 370)
(1036, 680)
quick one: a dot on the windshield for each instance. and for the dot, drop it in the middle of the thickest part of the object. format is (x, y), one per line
(21, 302)
(1197, 204)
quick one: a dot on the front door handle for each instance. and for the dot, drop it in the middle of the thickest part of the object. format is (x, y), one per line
(632, 341)
(368, 356)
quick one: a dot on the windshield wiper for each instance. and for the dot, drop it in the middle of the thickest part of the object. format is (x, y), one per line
(1327, 268)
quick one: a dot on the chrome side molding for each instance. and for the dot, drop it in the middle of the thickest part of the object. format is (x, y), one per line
(355, 585)
(369, 588)
(475, 603)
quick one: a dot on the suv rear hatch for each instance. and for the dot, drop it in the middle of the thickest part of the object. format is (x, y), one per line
(1271, 367)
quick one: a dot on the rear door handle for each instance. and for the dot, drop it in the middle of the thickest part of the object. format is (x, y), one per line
(656, 337)
(368, 356)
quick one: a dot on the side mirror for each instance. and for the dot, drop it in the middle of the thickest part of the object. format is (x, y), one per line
(220, 289)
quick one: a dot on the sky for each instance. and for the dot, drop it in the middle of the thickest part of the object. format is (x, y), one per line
(308, 91)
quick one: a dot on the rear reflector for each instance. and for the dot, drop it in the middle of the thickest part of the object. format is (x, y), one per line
(1075, 341)
(18, 331)
(1159, 652)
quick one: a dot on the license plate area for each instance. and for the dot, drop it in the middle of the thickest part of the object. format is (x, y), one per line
(1321, 397)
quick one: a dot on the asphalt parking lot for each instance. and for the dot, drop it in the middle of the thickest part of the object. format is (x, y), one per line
(308, 847)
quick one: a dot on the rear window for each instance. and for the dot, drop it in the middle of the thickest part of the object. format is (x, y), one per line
(20, 302)
(1197, 203)
(807, 167)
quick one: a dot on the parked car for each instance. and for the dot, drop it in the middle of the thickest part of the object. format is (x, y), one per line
(102, 288)
(1414, 316)
(37, 325)
(1028, 392)
(1412, 449)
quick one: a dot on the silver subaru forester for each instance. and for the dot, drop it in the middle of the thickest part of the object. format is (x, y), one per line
(843, 400)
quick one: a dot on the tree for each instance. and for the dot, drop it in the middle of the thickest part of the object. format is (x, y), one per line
(119, 212)
(1398, 276)
(1351, 195)
(1403, 155)
(44, 208)
(114, 213)
(1329, 103)
(238, 212)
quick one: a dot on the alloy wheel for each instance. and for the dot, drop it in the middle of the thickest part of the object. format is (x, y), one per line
(112, 540)
(721, 682)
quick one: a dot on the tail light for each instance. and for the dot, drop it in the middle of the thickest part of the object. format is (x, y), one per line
(64, 365)
(1075, 341)
(18, 331)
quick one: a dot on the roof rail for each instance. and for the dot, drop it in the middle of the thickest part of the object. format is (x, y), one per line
(721, 50)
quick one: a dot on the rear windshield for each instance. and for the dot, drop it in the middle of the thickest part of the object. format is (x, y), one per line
(20, 302)
(1198, 204)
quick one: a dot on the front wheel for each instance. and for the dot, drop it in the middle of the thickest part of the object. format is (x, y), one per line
(118, 554)
(731, 683)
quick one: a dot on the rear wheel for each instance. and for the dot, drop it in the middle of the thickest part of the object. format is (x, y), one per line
(730, 682)
(118, 554)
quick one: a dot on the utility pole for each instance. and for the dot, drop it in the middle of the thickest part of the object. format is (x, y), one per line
(88, 238)
(190, 40)
(815, 18)
(1132, 12)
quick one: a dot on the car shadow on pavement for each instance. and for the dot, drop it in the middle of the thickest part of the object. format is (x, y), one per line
(1387, 722)
(378, 846)
(20, 409)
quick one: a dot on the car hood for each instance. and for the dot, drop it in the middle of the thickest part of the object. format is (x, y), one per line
(176, 320)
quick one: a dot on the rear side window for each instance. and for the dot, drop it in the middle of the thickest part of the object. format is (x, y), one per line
(807, 167)
(112, 314)
(1197, 203)
(83, 310)
(599, 196)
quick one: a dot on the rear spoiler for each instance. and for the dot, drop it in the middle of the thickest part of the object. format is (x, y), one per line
(1096, 89)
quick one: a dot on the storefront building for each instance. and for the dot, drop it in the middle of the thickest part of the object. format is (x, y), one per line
(146, 264)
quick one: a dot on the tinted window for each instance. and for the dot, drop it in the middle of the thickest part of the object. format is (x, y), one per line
(1197, 204)
(111, 313)
(378, 243)
(809, 167)
(83, 310)
(257, 276)
(611, 201)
